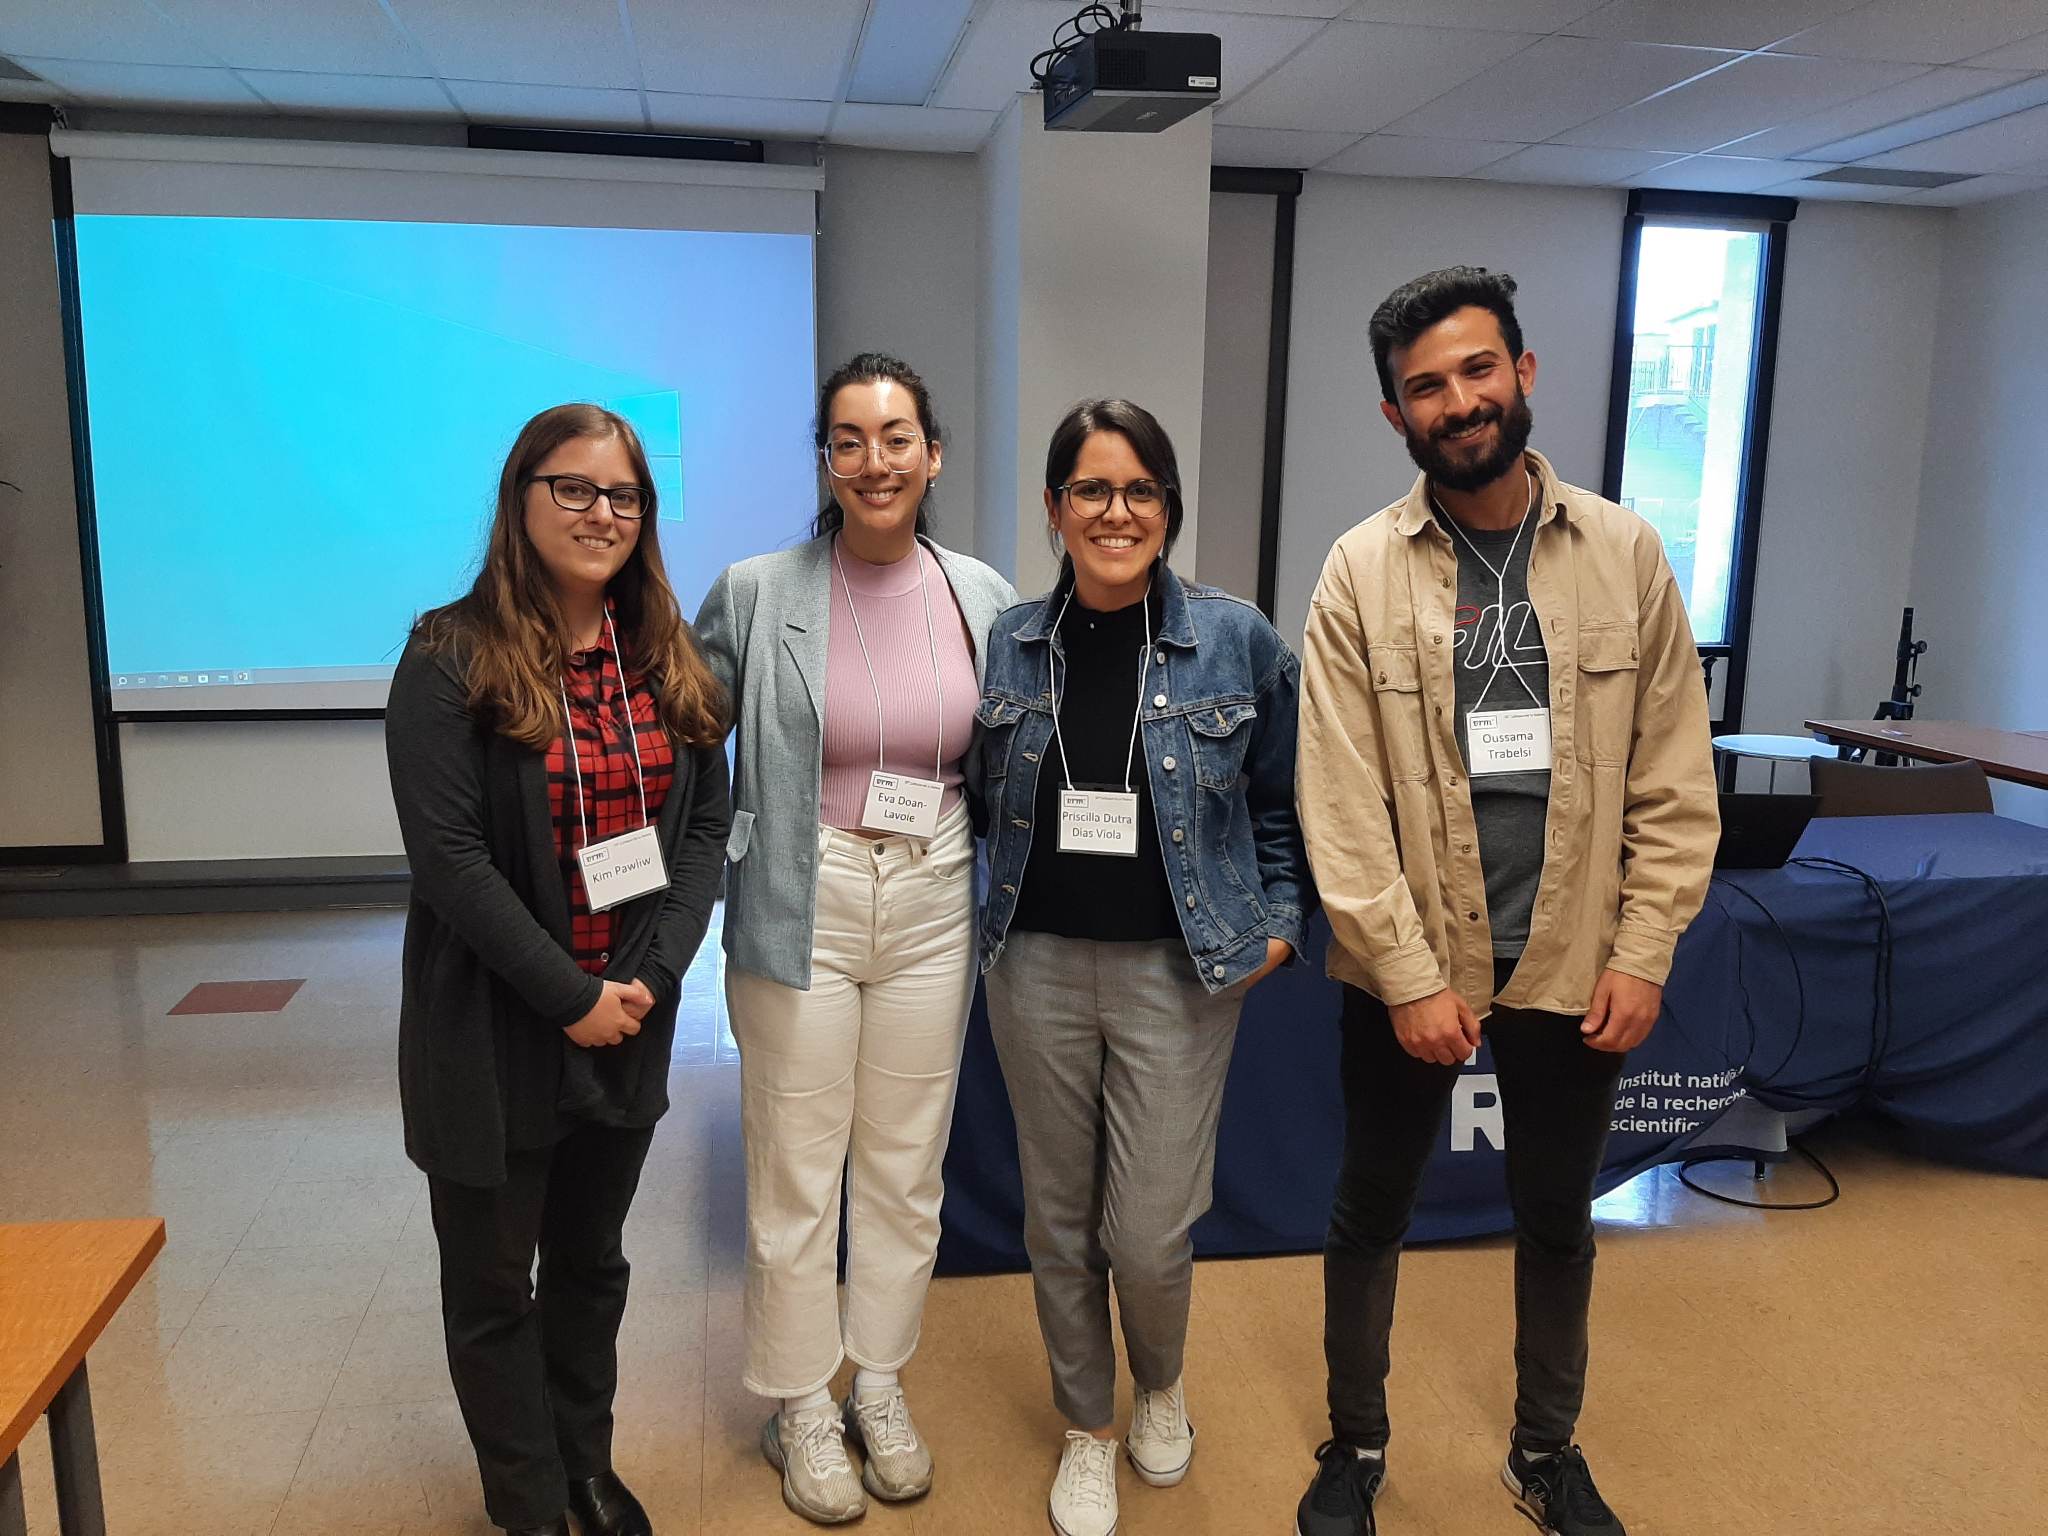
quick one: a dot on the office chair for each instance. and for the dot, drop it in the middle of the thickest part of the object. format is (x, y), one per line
(1863, 789)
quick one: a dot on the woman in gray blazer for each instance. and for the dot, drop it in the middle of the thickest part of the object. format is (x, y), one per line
(854, 665)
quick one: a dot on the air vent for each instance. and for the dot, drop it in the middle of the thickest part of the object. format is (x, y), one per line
(1870, 176)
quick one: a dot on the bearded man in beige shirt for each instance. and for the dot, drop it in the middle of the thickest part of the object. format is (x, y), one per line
(1506, 787)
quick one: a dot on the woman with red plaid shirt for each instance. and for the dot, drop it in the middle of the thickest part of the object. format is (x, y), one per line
(556, 751)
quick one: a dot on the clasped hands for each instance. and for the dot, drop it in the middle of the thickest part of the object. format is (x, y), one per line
(1443, 1028)
(620, 1008)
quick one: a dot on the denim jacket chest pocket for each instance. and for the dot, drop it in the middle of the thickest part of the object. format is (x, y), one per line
(1221, 734)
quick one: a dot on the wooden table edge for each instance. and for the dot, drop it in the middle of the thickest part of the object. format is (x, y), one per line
(1870, 736)
(16, 1429)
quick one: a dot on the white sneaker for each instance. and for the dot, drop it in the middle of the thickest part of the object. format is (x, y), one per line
(809, 1449)
(1162, 1441)
(1084, 1491)
(895, 1462)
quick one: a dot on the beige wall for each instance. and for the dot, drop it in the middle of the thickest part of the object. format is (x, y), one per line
(1980, 567)
(47, 760)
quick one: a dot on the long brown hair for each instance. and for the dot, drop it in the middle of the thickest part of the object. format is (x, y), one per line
(510, 631)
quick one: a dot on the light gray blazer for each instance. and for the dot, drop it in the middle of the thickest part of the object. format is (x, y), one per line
(764, 628)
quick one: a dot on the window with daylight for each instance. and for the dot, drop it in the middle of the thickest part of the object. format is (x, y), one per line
(1689, 412)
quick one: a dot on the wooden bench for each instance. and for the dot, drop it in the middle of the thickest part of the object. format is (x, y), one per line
(60, 1284)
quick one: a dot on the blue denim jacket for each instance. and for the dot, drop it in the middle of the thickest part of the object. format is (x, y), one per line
(1218, 731)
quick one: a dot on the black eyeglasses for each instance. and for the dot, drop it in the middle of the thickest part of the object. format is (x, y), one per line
(1090, 499)
(573, 493)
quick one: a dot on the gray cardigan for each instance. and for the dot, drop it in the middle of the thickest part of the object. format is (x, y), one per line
(763, 629)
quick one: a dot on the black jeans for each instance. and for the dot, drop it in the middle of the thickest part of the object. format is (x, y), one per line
(1557, 1098)
(535, 1372)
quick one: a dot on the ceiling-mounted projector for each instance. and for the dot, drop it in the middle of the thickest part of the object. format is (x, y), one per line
(1122, 80)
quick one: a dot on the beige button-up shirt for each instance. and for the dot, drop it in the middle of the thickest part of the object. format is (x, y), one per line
(1633, 822)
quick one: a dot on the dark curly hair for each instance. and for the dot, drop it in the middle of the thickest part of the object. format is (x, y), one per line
(1415, 306)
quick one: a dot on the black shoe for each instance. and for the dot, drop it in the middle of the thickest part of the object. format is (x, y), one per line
(1557, 1493)
(604, 1506)
(1339, 1501)
(559, 1528)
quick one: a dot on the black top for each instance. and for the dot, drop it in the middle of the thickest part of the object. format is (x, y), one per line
(488, 981)
(1095, 895)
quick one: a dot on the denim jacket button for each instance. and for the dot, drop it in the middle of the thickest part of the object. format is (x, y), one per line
(1191, 901)
(1167, 763)
(1179, 836)
(1219, 972)
(1159, 701)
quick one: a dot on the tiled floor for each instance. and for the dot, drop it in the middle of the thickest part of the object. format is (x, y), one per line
(1879, 1365)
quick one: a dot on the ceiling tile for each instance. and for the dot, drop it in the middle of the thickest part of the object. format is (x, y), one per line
(1252, 45)
(1279, 148)
(993, 61)
(1360, 76)
(917, 128)
(1921, 31)
(556, 106)
(1535, 16)
(563, 43)
(1723, 173)
(146, 85)
(2028, 53)
(109, 31)
(792, 48)
(2011, 141)
(903, 48)
(12, 89)
(1572, 166)
(1319, 9)
(1557, 84)
(1925, 92)
(349, 94)
(1750, 95)
(350, 37)
(1386, 155)
(1708, 23)
(1836, 192)
(745, 117)
(1981, 189)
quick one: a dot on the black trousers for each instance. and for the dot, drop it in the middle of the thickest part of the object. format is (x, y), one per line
(1557, 1101)
(535, 1368)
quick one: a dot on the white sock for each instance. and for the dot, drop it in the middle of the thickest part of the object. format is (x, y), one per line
(867, 1383)
(822, 1398)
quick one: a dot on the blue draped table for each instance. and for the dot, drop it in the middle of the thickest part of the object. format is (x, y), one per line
(1777, 992)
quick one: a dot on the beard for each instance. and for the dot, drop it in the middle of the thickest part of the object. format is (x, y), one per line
(1455, 470)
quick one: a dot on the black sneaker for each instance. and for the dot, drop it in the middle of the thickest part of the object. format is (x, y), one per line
(1339, 1501)
(1557, 1493)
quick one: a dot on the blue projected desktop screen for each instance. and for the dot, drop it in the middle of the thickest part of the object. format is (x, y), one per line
(297, 424)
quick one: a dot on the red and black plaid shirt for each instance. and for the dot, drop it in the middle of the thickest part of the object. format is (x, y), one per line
(611, 793)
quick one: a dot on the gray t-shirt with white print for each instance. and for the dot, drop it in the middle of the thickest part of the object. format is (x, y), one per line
(1499, 663)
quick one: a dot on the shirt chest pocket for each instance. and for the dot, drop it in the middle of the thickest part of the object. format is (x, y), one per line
(1397, 690)
(1221, 736)
(1609, 663)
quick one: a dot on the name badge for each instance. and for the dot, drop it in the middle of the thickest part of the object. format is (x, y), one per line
(620, 868)
(903, 805)
(1099, 821)
(1508, 740)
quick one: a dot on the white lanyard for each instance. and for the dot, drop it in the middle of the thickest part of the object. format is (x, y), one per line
(931, 641)
(1500, 577)
(1053, 687)
(632, 735)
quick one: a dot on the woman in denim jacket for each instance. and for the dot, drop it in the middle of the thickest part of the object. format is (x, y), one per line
(1136, 776)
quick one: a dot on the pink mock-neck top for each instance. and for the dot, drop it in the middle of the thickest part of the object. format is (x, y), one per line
(913, 723)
